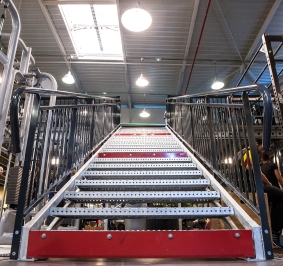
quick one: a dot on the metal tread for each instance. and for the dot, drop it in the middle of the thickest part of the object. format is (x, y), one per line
(142, 196)
(178, 159)
(191, 173)
(142, 146)
(141, 141)
(143, 184)
(144, 150)
(131, 213)
(143, 165)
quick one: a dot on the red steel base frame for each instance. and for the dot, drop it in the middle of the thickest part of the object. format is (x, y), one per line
(141, 244)
(142, 154)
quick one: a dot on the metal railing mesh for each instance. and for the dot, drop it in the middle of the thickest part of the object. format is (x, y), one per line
(62, 134)
(219, 131)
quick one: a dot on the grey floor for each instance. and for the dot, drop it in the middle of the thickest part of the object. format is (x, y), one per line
(5, 250)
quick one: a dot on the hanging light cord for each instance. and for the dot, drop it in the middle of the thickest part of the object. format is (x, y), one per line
(215, 73)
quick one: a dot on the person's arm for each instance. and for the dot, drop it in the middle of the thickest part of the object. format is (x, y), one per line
(279, 177)
(264, 179)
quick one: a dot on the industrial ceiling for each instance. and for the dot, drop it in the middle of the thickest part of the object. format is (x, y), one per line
(192, 40)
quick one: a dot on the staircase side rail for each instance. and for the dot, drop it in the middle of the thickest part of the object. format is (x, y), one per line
(267, 105)
(240, 214)
(219, 135)
(78, 125)
(40, 217)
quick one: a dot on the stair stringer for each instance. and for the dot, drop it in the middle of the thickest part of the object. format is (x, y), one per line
(241, 215)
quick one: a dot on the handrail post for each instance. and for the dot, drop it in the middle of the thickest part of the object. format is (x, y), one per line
(211, 135)
(258, 180)
(24, 181)
(92, 127)
(71, 140)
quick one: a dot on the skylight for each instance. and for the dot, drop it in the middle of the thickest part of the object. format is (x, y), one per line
(94, 31)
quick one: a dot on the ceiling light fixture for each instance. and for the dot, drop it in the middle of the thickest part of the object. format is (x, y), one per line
(217, 85)
(142, 81)
(136, 19)
(68, 78)
(144, 113)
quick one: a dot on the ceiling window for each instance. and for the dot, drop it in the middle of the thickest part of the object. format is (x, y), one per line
(94, 31)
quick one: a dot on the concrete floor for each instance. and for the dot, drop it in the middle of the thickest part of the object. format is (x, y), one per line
(4, 261)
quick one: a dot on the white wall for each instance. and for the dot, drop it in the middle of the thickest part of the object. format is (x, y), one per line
(156, 116)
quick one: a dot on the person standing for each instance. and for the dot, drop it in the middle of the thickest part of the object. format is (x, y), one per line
(274, 194)
(270, 170)
(275, 197)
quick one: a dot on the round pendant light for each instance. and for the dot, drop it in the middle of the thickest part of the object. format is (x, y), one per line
(144, 114)
(136, 19)
(217, 85)
(68, 78)
(142, 81)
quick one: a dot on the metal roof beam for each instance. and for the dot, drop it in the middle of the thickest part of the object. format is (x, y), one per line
(262, 29)
(188, 45)
(207, 63)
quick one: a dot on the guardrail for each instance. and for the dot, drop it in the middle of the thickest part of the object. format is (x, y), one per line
(60, 138)
(219, 131)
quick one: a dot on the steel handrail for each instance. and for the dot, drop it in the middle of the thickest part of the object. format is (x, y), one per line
(14, 108)
(267, 104)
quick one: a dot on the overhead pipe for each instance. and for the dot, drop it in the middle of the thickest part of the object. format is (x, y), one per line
(199, 39)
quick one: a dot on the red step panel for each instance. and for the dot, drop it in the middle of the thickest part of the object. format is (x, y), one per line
(142, 154)
(141, 244)
(142, 134)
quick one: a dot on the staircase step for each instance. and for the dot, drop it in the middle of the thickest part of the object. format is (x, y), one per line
(138, 213)
(142, 160)
(142, 142)
(142, 154)
(142, 146)
(147, 149)
(156, 174)
(143, 196)
(143, 184)
(143, 165)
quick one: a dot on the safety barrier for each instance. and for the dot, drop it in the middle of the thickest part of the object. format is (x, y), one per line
(60, 137)
(218, 128)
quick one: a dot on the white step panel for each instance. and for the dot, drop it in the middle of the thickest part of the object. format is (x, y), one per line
(142, 196)
(137, 213)
(143, 184)
(179, 159)
(157, 149)
(142, 165)
(189, 173)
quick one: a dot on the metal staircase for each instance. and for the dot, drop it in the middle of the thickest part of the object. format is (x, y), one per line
(142, 173)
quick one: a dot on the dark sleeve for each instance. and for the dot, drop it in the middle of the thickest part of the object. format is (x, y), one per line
(273, 166)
